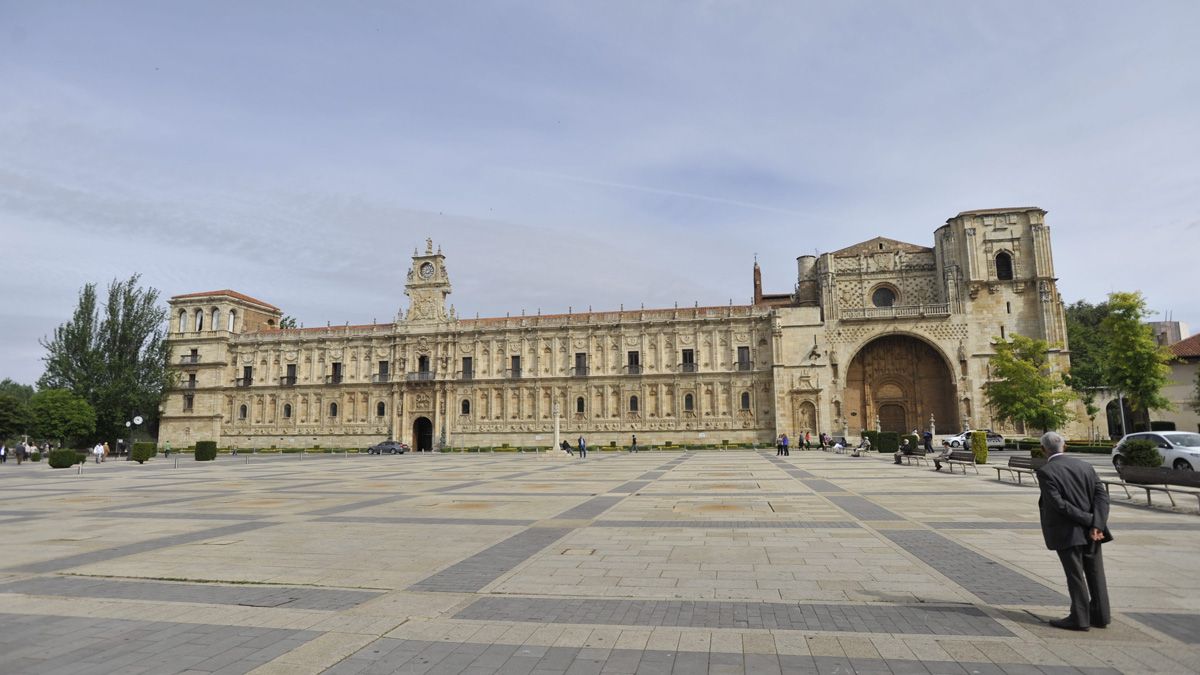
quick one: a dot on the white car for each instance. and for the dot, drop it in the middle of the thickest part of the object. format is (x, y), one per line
(1179, 449)
(994, 440)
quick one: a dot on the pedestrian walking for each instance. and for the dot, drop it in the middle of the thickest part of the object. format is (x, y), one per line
(105, 457)
(779, 446)
(98, 452)
(633, 444)
(807, 441)
(3, 453)
(786, 453)
(1074, 515)
(167, 449)
(582, 448)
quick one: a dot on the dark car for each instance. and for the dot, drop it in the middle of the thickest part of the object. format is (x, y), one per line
(388, 448)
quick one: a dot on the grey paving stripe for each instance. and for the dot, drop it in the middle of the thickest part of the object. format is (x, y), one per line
(481, 569)
(987, 579)
(820, 485)
(652, 475)
(910, 619)
(183, 515)
(292, 597)
(35, 645)
(460, 486)
(58, 564)
(1013, 525)
(590, 509)
(1182, 627)
(354, 506)
(405, 520)
(862, 508)
(631, 486)
(739, 524)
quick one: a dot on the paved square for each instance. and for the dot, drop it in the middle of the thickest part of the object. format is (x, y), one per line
(704, 562)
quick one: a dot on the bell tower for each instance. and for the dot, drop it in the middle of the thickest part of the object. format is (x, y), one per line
(427, 287)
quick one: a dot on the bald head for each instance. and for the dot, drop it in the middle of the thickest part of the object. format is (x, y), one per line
(1052, 443)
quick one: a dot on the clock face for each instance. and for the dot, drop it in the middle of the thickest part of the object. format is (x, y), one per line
(427, 271)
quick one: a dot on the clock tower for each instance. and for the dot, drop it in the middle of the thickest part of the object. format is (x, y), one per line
(427, 287)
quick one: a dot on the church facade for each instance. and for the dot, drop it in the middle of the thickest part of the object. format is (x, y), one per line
(880, 335)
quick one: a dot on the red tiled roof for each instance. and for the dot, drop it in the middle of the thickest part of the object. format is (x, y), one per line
(1014, 209)
(1187, 348)
(232, 294)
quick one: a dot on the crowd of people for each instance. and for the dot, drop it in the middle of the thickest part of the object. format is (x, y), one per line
(22, 451)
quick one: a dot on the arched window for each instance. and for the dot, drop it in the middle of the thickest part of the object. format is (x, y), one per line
(242, 412)
(216, 319)
(689, 403)
(232, 320)
(380, 409)
(466, 406)
(1004, 266)
(745, 400)
(182, 321)
(199, 320)
(633, 404)
(883, 296)
(333, 410)
(579, 405)
(287, 411)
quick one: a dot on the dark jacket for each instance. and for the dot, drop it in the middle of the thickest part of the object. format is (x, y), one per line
(1073, 502)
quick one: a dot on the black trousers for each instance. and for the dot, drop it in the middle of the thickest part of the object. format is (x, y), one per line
(1084, 566)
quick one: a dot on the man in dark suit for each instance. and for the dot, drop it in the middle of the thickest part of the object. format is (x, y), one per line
(1074, 512)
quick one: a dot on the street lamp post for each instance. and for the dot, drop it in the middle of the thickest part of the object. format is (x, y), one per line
(137, 419)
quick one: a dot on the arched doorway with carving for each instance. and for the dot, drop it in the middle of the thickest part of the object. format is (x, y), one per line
(422, 435)
(899, 380)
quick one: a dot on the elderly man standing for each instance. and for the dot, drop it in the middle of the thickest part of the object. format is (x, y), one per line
(1074, 513)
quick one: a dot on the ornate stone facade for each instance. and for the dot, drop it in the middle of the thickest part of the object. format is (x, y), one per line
(882, 334)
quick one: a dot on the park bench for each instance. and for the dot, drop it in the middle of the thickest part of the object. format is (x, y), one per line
(1156, 479)
(1020, 465)
(916, 456)
(963, 458)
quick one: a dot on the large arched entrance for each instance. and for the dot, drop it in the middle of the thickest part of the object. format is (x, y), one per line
(422, 435)
(899, 380)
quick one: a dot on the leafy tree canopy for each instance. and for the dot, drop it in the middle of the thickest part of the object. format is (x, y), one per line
(1022, 387)
(61, 415)
(14, 416)
(22, 392)
(1087, 345)
(113, 356)
(1133, 362)
(288, 321)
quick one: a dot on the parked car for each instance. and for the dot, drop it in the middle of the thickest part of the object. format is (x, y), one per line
(388, 448)
(994, 440)
(1179, 449)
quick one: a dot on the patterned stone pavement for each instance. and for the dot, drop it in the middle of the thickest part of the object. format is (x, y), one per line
(699, 562)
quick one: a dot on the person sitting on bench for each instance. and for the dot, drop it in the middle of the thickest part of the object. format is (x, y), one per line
(945, 456)
(865, 446)
(905, 449)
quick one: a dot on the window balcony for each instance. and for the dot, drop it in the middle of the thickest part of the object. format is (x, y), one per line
(465, 375)
(745, 365)
(895, 312)
(513, 373)
(579, 371)
(381, 378)
(688, 368)
(190, 358)
(243, 381)
(333, 379)
(634, 369)
(421, 376)
(287, 381)
(187, 384)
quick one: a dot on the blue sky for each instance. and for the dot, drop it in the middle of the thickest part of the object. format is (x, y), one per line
(576, 154)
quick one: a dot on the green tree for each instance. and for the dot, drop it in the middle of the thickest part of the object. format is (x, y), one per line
(14, 416)
(114, 357)
(1087, 352)
(61, 415)
(22, 392)
(288, 321)
(1133, 362)
(1023, 388)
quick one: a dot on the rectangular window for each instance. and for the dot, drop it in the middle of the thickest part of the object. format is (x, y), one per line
(634, 360)
(188, 400)
(383, 367)
(468, 368)
(581, 367)
(422, 364)
(516, 367)
(688, 364)
(336, 376)
(247, 376)
(191, 381)
(743, 358)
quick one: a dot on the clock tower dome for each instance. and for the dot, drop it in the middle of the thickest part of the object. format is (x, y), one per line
(427, 287)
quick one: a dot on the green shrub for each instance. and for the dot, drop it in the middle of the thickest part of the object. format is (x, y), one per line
(1141, 453)
(889, 441)
(666, 444)
(206, 451)
(143, 451)
(82, 457)
(291, 451)
(62, 459)
(35, 456)
(979, 446)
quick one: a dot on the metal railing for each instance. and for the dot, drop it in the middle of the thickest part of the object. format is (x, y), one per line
(688, 368)
(421, 376)
(579, 371)
(187, 384)
(287, 381)
(380, 378)
(333, 379)
(896, 312)
(513, 373)
(745, 365)
(465, 375)
(634, 369)
(243, 381)
(190, 358)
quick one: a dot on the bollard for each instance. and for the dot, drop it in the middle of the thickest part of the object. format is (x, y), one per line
(302, 454)
(80, 472)
(176, 461)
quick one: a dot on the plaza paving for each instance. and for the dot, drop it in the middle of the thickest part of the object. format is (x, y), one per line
(701, 562)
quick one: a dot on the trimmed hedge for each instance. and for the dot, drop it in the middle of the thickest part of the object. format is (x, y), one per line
(889, 441)
(143, 451)
(1141, 453)
(62, 459)
(206, 451)
(35, 456)
(979, 446)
